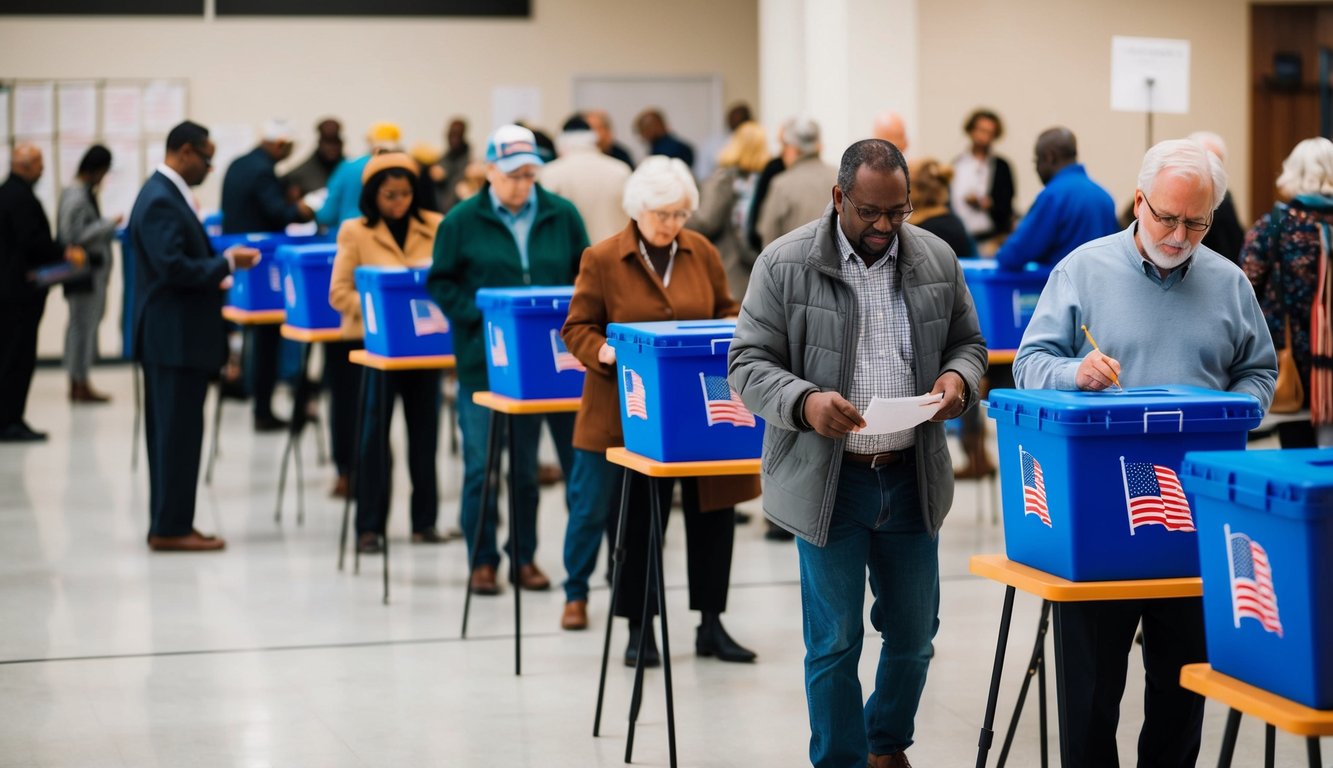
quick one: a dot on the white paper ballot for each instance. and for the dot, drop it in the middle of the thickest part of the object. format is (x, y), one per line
(894, 414)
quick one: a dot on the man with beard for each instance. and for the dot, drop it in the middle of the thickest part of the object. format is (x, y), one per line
(1069, 212)
(1172, 312)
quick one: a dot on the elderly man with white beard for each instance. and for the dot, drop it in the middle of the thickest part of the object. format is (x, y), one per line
(1165, 310)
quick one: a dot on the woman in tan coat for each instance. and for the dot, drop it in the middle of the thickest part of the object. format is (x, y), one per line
(653, 269)
(392, 232)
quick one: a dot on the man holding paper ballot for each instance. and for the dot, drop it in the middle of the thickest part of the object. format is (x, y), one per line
(852, 308)
(1165, 310)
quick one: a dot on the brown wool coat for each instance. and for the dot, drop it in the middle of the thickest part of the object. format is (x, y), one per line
(360, 246)
(615, 285)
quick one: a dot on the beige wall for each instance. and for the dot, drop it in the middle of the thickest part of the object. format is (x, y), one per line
(418, 72)
(1041, 63)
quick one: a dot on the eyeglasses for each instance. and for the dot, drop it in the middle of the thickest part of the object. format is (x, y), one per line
(872, 215)
(1171, 222)
(666, 217)
(207, 158)
(518, 176)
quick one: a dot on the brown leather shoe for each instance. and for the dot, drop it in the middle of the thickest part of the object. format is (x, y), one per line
(575, 615)
(194, 542)
(531, 578)
(549, 474)
(483, 581)
(895, 760)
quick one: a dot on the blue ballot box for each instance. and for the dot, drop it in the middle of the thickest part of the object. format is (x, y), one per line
(306, 272)
(525, 356)
(1004, 299)
(1090, 481)
(1266, 551)
(260, 287)
(400, 320)
(675, 403)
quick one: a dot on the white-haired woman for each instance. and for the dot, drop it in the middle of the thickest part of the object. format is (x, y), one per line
(1286, 257)
(654, 269)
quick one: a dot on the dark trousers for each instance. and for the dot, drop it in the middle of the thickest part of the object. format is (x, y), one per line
(174, 428)
(19, 318)
(341, 379)
(1096, 638)
(420, 393)
(264, 341)
(708, 541)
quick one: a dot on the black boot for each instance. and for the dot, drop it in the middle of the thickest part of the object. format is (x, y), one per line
(712, 640)
(651, 658)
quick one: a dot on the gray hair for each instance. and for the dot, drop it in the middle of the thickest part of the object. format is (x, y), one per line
(1211, 142)
(1183, 157)
(659, 181)
(802, 133)
(1308, 170)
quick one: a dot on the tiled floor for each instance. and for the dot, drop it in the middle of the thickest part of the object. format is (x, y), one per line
(266, 655)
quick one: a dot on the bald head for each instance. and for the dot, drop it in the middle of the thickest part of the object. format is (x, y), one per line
(890, 127)
(26, 162)
(1056, 148)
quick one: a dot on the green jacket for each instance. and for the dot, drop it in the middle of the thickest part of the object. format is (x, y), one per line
(474, 249)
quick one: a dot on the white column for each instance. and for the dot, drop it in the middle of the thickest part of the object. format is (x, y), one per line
(840, 61)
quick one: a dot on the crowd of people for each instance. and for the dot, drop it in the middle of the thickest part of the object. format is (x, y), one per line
(790, 246)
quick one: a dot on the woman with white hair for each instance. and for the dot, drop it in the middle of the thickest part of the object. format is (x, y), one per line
(1286, 257)
(654, 269)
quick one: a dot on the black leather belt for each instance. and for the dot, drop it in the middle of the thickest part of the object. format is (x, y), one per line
(876, 459)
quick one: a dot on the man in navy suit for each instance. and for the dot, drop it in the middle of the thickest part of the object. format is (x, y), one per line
(178, 331)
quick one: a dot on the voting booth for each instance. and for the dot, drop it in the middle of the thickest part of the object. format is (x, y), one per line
(526, 357)
(1090, 482)
(675, 402)
(306, 273)
(1005, 300)
(1265, 523)
(400, 320)
(260, 287)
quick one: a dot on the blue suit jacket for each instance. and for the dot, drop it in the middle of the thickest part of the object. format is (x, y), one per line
(177, 301)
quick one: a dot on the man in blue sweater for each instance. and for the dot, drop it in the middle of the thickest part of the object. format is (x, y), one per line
(1069, 212)
(1171, 311)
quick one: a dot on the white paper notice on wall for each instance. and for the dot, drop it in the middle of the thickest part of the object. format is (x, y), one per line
(34, 109)
(163, 106)
(76, 111)
(122, 110)
(1150, 74)
(121, 186)
(515, 102)
(68, 154)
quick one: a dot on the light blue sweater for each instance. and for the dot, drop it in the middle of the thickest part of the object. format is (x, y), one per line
(344, 200)
(1200, 326)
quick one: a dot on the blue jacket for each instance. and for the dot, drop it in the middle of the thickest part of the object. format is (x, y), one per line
(253, 199)
(177, 298)
(344, 200)
(1072, 210)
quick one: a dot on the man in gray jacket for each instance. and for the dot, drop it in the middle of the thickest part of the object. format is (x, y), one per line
(856, 305)
(799, 193)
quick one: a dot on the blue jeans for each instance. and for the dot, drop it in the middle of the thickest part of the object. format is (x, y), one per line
(473, 424)
(594, 495)
(876, 525)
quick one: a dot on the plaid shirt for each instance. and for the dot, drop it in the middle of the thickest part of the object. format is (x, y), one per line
(884, 356)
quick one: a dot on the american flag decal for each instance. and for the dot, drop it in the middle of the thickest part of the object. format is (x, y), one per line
(1252, 592)
(427, 319)
(1034, 488)
(1154, 496)
(721, 403)
(499, 355)
(564, 359)
(636, 400)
